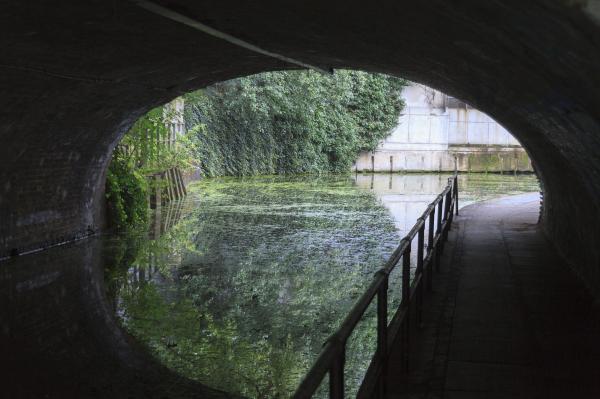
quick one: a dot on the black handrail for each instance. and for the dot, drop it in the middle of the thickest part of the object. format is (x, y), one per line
(332, 358)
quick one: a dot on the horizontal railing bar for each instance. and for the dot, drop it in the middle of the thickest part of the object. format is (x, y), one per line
(431, 207)
(360, 307)
(396, 255)
(317, 373)
(415, 229)
(428, 211)
(436, 200)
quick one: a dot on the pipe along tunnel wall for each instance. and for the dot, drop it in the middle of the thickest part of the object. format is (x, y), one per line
(75, 75)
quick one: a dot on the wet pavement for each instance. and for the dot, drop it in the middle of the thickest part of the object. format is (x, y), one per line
(507, 318)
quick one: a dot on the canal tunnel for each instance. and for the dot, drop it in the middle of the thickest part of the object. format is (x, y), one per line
(76, 75)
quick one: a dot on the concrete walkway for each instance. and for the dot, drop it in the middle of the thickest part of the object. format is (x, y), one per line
(507, 319)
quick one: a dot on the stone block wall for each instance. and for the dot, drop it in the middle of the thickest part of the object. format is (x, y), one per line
(436, 133)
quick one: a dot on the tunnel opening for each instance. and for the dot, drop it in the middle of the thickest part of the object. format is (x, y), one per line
(181, 293)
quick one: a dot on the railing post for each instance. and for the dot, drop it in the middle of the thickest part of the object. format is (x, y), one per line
(447, 214)
(336, 375)
(406, 274)
(440, 233)
(430, 249)
(406, 302)
(419, 271)
(420, 247)
(456, 192)
(382, 334)
(451, 201)
(439, 215)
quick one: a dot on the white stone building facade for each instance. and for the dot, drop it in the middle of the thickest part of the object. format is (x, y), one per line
(436, 132)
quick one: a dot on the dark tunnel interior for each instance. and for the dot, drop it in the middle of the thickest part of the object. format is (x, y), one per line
(76, 75)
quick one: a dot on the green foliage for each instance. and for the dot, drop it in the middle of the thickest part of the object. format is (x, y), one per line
(146, 144)
(291, 122)
(126, 194)
(144, 150)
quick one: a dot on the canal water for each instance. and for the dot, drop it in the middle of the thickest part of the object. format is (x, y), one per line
(239, 284)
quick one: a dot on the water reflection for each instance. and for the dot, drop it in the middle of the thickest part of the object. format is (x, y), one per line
(243, 290)
(59, 337)
(406, 196)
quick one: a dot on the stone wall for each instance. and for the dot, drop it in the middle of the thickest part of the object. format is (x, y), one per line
(439, 133)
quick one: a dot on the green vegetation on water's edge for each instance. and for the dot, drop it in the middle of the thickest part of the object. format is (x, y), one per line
(274, 122)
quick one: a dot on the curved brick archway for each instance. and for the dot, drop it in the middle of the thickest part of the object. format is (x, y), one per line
(75, 75)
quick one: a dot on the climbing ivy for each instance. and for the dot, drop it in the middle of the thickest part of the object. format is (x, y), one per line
(292, 121)
(126, 193)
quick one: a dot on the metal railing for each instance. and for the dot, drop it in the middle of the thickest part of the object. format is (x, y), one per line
(438, 217)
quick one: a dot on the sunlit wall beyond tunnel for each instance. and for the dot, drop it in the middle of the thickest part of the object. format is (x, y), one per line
(438, 133)
(76, 75)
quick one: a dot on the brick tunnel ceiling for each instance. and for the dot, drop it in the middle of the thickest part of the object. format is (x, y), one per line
(75, 75)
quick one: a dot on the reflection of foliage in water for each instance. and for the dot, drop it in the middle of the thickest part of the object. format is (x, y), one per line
(275, 264)
(242, 293)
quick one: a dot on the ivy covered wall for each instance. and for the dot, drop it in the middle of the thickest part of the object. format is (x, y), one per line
(270, 123)
(292, 121)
